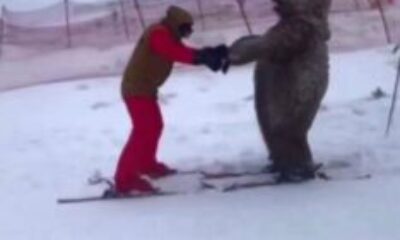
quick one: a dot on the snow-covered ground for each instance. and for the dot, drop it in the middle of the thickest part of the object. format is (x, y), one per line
(53, 137)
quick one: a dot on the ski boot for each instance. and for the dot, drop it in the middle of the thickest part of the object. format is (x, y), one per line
(158, 170)
(137, 185)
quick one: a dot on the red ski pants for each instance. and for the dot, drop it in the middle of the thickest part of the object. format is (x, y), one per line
(140, 150)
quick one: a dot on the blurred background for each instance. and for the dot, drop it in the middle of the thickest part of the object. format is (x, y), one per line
(54, 40)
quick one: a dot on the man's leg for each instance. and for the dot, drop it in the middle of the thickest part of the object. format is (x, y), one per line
(136, 151)
(152, 166)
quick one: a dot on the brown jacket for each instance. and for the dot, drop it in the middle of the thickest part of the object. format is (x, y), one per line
(147, 71)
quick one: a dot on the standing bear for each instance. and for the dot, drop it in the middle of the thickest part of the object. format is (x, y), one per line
(291, 78)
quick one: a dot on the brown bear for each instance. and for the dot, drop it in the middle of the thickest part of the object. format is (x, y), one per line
(291, 78)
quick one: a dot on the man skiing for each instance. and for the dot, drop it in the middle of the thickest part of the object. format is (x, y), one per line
(149, 67)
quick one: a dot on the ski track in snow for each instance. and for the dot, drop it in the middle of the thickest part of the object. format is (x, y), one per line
(54, 137)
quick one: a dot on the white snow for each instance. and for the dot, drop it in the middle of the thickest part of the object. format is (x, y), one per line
(53, 137)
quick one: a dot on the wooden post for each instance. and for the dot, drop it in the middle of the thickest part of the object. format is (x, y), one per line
(1, 35)
(139, 13)
(2, 29)
(68, 27)
(124, 20)
(114, 19)
(396, 48)
(394, 98)
(244, 15)
(357, 4)
(384, 21)
(201, 14)
(372, 3)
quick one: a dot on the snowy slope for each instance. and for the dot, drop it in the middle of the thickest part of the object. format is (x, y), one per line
(54, 136)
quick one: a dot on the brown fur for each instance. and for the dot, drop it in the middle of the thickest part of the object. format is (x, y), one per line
(291, 77)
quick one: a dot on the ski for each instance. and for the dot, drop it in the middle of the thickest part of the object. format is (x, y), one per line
(327, 177)
(99, 178)
(237, 185)
(108, 198)
(264, 171)
(219, 182)
(222, 175)
(233, 182)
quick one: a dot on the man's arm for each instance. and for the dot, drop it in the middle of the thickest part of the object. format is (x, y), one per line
(162, 43)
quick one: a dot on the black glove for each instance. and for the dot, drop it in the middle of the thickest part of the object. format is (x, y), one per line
(213, 58)
(226, 65)
(222, 51)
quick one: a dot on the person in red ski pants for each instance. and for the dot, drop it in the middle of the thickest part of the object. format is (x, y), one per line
(149, 67)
